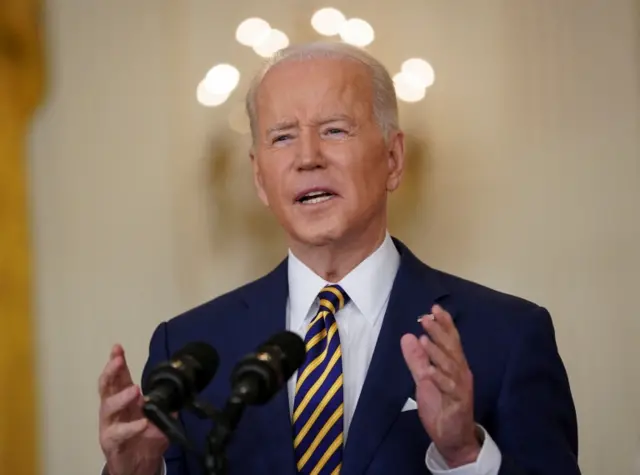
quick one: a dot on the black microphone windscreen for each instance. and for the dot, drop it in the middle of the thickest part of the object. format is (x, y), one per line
(206, 359)
(292, 348)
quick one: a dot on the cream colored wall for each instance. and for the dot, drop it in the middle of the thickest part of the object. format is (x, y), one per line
(529, 182)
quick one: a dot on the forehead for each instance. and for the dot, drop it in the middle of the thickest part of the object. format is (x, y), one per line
(305, 89)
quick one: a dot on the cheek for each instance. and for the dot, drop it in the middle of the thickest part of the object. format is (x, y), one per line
(275, 185)
(371, 176)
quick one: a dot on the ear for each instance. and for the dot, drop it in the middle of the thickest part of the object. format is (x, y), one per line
(395, 160)
(257, 177)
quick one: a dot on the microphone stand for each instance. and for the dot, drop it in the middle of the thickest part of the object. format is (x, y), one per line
(244, 393)
(224, 424)
(220, 435)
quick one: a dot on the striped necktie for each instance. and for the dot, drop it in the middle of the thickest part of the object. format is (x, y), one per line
(318, 408)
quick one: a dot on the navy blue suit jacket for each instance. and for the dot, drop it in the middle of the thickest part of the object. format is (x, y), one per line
(521, 391)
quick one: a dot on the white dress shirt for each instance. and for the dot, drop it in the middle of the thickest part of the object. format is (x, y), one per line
(359, 322)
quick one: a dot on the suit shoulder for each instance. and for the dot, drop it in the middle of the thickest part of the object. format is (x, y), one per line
(494, 322)
(220, 310)
(491, 302)
(465, 294)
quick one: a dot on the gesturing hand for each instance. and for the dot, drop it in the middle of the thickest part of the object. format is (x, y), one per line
(130, 443)
(444, 387)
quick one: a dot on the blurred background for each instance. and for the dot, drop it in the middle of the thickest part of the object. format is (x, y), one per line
(126, 196)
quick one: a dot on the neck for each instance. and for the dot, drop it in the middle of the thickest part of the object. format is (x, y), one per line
(336, 259)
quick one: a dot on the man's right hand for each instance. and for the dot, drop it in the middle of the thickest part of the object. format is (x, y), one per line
(131, 444)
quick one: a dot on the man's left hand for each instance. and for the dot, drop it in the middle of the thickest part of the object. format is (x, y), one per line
(444, 388)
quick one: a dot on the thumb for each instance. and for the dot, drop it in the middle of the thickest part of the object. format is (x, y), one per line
(416, 357)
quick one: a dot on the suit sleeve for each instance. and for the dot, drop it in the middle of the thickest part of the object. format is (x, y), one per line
(174, 456)
(536, 427)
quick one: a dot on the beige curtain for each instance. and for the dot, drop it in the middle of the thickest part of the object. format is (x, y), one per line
(21, 86)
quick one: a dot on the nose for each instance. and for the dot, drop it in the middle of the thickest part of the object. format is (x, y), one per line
(309, 153)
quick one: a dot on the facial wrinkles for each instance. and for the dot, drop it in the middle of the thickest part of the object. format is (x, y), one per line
(282, 102)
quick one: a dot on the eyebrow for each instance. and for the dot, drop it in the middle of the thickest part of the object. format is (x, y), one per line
(290, 124)
(283, 125)
(333, 118)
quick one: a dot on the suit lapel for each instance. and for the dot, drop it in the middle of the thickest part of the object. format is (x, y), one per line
(267, 301)
(389, 383)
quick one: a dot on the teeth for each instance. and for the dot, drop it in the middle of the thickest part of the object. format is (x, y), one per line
(318, 199)
(315, 197)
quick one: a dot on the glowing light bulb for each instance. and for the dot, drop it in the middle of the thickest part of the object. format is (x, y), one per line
(328, 21)
(357, 32)
(419, 69)
(408, 88)
(207, 98)
(252, 31)
(222, 79)
(275, 41)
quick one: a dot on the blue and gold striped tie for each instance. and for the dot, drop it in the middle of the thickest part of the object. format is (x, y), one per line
(318, 408)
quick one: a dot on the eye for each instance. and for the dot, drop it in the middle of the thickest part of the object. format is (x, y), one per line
(335, 131)
(281, 138)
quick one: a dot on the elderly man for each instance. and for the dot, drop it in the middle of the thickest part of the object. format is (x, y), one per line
(476, 386)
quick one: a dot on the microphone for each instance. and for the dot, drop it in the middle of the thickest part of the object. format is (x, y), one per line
(259, 375)
(255, 379)
(173, 384)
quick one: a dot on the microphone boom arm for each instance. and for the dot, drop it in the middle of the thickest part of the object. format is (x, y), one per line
(168, 425)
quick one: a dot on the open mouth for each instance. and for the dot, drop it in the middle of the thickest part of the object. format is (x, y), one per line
(315, 197)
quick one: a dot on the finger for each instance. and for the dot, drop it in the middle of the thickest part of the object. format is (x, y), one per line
(117, 434)
(439, 358)
(444, 318)
(443, 335)
(114, 378)
(140, 399)
(438, 334)
(108, 377)
(445, 384)
(117, 350)
(440, 314)
(125, 376)
(113, 406)
(415, 356)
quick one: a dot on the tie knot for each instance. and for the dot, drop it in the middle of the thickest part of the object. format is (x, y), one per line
(333, 298)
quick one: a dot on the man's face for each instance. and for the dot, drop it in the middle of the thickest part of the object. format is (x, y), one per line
(320, 159)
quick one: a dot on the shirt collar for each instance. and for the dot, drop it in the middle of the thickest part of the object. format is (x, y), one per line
(368, 285)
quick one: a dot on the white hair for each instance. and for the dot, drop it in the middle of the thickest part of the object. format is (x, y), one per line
(385, 106)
